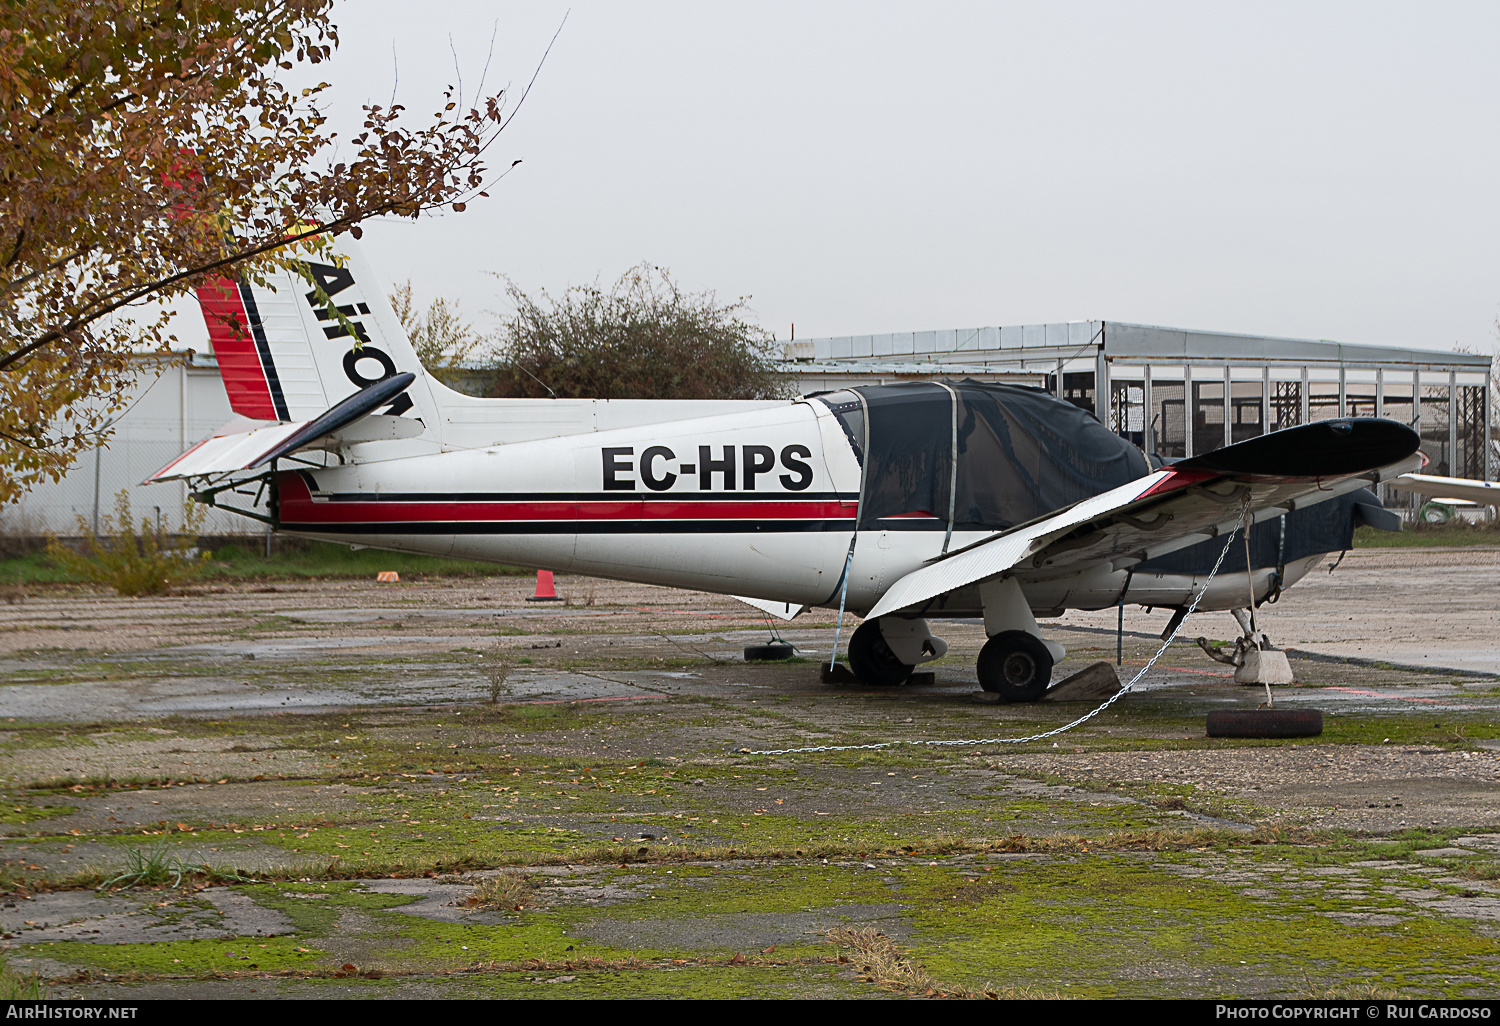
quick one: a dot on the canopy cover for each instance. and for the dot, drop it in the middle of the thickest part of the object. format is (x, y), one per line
(1019, 453)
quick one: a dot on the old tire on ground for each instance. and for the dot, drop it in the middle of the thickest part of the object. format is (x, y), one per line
(769, 653)
(1265, 723)
(1016, 666)
(872, 660)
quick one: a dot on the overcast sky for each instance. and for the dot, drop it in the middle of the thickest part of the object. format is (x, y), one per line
(1302, 169)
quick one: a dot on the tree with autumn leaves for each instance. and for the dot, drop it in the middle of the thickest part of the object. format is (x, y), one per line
(151, 146)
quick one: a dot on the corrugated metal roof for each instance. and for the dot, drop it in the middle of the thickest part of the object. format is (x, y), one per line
(983, 347)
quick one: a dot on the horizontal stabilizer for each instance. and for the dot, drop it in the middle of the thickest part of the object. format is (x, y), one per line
(369, 398)
(224, 453)
(347, 423)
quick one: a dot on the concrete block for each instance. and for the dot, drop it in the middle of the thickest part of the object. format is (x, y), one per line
(1264, 668)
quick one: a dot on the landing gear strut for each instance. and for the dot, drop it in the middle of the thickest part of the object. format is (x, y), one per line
(1016, 666)
(871, 658)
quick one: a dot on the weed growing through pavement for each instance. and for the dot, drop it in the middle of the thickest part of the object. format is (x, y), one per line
(510, 892)
(1361, 990)
(497, 666)
(15, 986)
(879, 961)
(153, 868)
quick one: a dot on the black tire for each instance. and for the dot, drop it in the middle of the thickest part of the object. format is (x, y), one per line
(1265, 723)
(768, 653)
(1016, 666)
(872, 660)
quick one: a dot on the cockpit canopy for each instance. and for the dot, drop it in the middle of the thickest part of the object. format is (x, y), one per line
(1020, 453)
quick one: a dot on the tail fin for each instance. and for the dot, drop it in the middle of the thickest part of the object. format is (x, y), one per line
(285, 356)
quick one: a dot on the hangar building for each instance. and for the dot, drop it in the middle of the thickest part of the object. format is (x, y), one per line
(1184, 393)
(177, 401)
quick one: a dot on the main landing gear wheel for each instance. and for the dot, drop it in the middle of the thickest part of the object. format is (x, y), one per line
(872, 660)
(1265, 723)
(1016, 666)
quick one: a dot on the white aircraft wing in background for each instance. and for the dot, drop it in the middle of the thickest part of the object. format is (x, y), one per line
(1483, 492)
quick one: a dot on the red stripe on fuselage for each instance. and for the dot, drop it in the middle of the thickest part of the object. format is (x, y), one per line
(298, 506)
(234, 348)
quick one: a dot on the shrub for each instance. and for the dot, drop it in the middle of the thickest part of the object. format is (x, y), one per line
(135, 562)
(509, 892)
(497, 666)
(644, 338)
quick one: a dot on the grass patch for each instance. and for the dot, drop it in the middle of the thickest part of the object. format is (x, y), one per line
(235, 561)
(16, 986)
(20, 815)
(155, 866)
(1423, 535)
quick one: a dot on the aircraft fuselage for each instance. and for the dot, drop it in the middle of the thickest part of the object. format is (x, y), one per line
(763, 503)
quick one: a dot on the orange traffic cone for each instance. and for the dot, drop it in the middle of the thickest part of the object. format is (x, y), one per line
(545, 592)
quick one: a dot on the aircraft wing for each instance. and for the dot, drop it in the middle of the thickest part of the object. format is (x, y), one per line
(1483, 492)
(1188, 502)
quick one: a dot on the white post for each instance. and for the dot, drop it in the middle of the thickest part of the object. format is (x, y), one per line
(1380, 490)
(1101, 385)
(1148, 438)
(1188, 402)
(1453, 465)
(1228, 408)
(1265, 400)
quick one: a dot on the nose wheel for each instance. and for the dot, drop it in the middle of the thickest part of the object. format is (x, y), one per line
(1014, 665)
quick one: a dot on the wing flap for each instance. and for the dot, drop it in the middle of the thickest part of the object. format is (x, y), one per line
(999, 553)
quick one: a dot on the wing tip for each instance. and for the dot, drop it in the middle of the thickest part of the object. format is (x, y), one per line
(1329, 448)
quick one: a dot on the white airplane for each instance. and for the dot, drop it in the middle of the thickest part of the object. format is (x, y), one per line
(893, 502)
(1461, 488)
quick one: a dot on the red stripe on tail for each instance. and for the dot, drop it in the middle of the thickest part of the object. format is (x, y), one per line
(234, 347)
